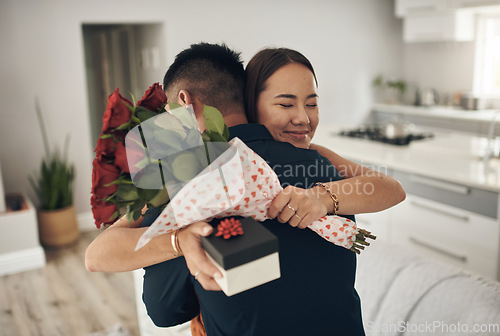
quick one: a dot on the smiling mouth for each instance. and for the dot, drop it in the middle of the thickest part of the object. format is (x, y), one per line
(297, 134)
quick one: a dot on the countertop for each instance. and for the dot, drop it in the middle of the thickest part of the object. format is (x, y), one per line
(449, 156)
(446, 112)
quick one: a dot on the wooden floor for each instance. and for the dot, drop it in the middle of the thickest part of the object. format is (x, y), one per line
(63, 299)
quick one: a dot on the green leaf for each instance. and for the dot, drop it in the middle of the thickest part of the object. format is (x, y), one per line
(173, 105)
(127, 192)
(144, 114)
(216, 137)
(186, 117)
(214, 122)
(160, 199)
(147, 194)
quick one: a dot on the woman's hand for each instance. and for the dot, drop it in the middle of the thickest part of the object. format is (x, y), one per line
(299, 207)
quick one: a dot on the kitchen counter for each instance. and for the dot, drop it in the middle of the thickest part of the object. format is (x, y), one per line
(448, 156)
(437, 112)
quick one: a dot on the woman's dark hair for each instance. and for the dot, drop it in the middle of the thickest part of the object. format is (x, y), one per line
(262, 66)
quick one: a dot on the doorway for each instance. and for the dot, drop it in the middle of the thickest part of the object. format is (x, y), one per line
(130, 57)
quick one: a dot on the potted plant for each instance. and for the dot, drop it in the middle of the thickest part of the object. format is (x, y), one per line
(53, 186)
(392, 90)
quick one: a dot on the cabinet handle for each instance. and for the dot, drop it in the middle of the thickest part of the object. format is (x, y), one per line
(459, 189)
(429, 246)
(463, 218)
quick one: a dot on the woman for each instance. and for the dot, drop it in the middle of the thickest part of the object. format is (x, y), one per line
(281, 94)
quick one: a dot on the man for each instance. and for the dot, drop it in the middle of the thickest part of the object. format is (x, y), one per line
(315, 294)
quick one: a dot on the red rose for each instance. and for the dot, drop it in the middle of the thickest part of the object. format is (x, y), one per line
(117, 112)
(135, 152)
(154, 98)
(102, 174)
(121, 158)
(104, 212)
(108, 146)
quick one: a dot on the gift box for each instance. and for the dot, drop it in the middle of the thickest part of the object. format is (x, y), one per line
(245, 261)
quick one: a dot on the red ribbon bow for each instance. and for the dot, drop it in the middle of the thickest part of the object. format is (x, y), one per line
(228, 228)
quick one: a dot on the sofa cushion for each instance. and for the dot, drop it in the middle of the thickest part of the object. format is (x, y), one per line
(466, 305)
(405, 294)
(378, 267)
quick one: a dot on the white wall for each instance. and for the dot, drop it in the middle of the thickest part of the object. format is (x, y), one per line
(348, 42)
(447, 67)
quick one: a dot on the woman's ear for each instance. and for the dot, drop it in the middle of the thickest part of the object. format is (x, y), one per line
(184, 98)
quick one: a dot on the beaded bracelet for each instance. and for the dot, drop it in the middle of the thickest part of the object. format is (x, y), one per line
(333, 196)
(175, 243)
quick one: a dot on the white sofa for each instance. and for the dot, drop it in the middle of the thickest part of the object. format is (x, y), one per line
(403, 294)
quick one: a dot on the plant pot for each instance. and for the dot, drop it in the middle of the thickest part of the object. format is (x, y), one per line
(58, 227)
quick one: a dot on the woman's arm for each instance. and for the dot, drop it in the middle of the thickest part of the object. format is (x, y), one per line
(114, 249)
(363, 189)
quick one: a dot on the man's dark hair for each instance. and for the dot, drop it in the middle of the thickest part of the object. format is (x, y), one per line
(211, 72)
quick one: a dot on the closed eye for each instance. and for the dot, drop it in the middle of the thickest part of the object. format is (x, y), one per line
(286, 105)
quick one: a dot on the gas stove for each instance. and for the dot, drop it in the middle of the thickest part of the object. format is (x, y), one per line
(376, 133)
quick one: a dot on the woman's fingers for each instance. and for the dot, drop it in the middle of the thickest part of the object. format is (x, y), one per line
(279, 202)
(299, 207)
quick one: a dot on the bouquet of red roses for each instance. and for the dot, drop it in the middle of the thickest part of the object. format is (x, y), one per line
(112, 186)
(145, 154)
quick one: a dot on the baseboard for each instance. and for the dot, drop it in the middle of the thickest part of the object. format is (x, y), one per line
(86, 221)
(20, 261)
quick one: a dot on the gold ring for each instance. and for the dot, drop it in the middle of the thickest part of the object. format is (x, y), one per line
(288, 205)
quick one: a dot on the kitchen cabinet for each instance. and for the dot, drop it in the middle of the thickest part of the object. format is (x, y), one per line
(404, 8)
(451, 234)
(453, 222)
(441, 20)
(463, 4)
(439, 26)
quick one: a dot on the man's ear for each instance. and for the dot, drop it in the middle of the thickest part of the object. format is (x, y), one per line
(184, 98)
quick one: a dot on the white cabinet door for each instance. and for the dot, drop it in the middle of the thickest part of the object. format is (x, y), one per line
(405, 8)
(454, 235)
(439, 26)
(461, 4)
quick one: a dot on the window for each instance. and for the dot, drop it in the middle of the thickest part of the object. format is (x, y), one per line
(487, 67)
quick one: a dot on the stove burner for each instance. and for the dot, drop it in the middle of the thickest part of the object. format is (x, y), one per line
(376, 133)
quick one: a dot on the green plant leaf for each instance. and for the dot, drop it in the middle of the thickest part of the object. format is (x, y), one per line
(173, 105)
(144, 114)
(214, 122)
(160, 199)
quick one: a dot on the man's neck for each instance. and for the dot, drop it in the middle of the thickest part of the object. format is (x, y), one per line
(235, 119)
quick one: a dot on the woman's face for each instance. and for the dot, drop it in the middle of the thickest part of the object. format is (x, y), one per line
(288, 106)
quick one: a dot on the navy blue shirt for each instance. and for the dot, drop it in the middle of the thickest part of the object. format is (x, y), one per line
(315, 294)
